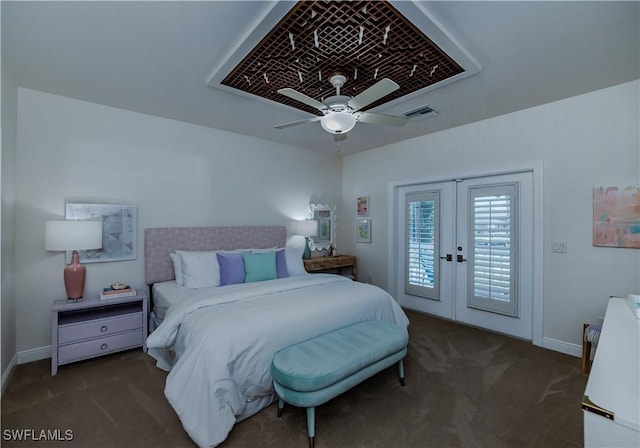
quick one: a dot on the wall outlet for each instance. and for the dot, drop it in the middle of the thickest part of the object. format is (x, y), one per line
(559, 247)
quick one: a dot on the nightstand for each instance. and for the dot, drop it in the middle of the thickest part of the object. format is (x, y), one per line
(94, 327)
(332, 264)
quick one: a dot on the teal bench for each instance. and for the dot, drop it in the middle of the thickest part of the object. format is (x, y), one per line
(313, 372)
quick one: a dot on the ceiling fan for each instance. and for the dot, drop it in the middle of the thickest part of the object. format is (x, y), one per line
(342, 112)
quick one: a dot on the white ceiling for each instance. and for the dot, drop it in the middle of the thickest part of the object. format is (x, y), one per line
(155, 58)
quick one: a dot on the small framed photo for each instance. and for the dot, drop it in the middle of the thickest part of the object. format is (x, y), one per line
(324, 229)
(363, 206)
(363, 231)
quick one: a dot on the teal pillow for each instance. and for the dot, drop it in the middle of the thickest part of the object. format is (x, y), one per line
(260, 266)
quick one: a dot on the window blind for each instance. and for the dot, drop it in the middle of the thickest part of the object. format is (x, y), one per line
(492, 275)
(422, 226)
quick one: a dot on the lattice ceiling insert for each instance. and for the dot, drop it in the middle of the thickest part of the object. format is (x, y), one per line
(364, 40)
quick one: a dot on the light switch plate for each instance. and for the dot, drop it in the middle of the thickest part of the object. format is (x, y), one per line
(559, 247)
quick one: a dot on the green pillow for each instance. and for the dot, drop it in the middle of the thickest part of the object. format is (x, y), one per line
(260, 266)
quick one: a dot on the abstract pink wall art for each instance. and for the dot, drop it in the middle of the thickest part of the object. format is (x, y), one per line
(616, 216)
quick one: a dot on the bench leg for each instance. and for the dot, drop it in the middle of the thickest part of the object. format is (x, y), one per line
(280, 406)
(401, 372)
(311, 425)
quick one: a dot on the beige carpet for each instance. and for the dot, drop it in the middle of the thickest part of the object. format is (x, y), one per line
(465, 388)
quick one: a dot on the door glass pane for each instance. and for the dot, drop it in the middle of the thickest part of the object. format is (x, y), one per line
(422, 225)
(493, 244)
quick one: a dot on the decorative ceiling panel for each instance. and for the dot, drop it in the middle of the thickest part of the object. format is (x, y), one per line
(364, 40)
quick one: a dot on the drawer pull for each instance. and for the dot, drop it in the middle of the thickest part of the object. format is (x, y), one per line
(590, 406)
(104, 346)
(103, 328)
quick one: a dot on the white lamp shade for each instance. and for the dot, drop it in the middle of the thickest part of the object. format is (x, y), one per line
(73, 235)
(338, 122)
(307, 228)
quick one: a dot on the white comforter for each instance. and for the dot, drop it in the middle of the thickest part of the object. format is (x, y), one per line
(223, 341)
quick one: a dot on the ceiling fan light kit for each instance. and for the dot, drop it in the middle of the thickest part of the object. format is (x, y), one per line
(338, 122)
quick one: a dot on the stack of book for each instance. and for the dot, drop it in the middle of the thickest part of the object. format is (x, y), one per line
(110, 293)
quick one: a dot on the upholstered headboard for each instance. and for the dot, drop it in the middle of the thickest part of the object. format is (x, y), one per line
(160, 242)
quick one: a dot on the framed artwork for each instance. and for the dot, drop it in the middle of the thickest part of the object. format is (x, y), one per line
(363, 206)
(363, 231)
(324, 230)
(119, 231)
(616, 216)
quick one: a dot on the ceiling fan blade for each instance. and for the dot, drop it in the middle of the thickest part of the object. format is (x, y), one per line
(296, 123)
(389, 120)
(382, 88)
(295, 95)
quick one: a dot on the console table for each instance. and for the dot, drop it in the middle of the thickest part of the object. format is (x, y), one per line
(94, 327)
(329, 264)
(611, 403)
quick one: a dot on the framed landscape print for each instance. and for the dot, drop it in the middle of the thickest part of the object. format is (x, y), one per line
(324, 229)
(363, 230)
(119, 231)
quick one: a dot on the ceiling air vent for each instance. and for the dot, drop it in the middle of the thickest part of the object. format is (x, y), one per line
(421, 112)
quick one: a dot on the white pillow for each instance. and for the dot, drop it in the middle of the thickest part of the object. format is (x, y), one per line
(199, 269)
(295, 266)
(177, 268)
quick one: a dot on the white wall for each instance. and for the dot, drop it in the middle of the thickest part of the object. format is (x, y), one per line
(182, 174)
(588, 140)
(176, 173)
(7, 221)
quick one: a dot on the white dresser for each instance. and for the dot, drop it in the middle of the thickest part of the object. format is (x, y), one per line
(611, 403)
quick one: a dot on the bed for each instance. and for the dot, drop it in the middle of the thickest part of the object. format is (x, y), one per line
(218, 341)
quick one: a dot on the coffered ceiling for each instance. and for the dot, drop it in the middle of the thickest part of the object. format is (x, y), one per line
(190, 61)
(364, 41)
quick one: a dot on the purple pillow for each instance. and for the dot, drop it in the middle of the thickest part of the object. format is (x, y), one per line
(281, 264)
(231, 268)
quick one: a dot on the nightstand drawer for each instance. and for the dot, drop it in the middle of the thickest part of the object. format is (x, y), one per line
(97, 347)
(97, 328)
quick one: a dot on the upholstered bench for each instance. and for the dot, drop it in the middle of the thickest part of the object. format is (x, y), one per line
(313, 372)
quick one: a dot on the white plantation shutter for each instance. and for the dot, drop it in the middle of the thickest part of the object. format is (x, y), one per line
(493, 248)
(422, 221)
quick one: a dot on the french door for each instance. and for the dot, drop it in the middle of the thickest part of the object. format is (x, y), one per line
(466, 251)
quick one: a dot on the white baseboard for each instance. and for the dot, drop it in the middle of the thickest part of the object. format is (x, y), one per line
(34, 354)
(7, 373)
(562, 347)
(24, 357)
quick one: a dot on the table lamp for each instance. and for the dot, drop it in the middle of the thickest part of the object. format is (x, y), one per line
(306, 229)
(75, 236)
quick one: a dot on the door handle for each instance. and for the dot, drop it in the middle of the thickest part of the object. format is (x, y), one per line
(449, 257)
(459, 259)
